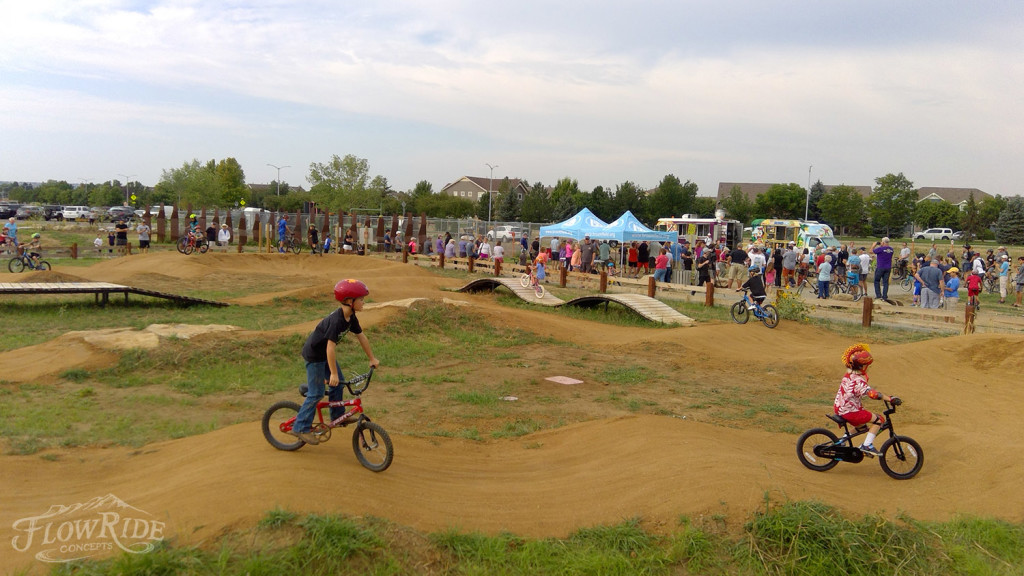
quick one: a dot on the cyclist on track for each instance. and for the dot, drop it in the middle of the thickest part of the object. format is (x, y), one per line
(320, 355)
(756, 286)
(32, 249)
(852, 388)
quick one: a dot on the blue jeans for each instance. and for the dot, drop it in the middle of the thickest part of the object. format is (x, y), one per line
(823, 288)
(659, 274)
(317, 375)
(882, 284)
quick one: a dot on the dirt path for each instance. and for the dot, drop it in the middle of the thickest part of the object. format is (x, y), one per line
(962, 397)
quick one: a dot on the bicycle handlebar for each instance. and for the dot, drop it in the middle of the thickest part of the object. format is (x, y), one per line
(365, 377)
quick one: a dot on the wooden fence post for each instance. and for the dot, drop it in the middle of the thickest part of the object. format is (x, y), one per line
(651, 288)
(440, 260)
(74, 250)
(969, 313)
(603, 286)
(869, 306)
(709, 294)
(470, 265)
(497, 266)
(563, 275)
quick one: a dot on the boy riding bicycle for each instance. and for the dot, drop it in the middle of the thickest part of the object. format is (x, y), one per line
(321, 357)
(852, 388)
(756, 286)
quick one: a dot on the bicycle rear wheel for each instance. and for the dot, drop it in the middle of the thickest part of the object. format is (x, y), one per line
(771, 316)
(805, 449)
(539, 289)
(372, 446)
(277, 425)
(901, 458)
(739, 312)
(16, 265)
(295, 248)
(856, 292)
(203, 246)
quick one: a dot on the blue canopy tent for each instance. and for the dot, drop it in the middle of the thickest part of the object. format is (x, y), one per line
(583, 223)
(630, 229)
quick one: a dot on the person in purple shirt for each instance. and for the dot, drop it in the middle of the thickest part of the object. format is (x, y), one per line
(883, 264)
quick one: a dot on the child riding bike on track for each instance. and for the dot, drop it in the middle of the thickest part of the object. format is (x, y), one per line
(852, 388)
(321, 357)
(756, 286)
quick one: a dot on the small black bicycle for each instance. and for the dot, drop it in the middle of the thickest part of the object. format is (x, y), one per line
(820, 449)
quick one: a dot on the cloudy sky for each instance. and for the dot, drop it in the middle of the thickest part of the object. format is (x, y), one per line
(602, 92)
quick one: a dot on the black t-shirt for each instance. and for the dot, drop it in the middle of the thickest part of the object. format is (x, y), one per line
(737, 256)
(330, 328)
(756, 286)
(122, 231)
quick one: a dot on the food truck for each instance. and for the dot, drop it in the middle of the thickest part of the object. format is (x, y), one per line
(805, 234)
(716, 229)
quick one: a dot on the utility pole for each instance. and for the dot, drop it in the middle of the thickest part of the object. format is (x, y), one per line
(807, 203)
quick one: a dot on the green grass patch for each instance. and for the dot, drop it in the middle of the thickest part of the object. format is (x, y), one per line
(788, 539)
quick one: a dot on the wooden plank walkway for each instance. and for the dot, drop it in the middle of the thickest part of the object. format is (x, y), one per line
(102, 290)
(645, 306)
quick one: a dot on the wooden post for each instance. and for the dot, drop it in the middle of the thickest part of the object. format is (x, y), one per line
(405, 253)
(440, 260)
(471, 260)
(74, 250)
(869, 306)
(497, 265)
(969, 313)
(709, 293)
(603, 286)
(651, 288)
(563, 274)
(380, 235)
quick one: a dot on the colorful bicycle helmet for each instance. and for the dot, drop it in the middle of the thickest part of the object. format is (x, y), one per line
(754, 269)
(37, 235)
(350, 288)
(858, 357)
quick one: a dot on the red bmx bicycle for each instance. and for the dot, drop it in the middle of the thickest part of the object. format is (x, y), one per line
(370, 442)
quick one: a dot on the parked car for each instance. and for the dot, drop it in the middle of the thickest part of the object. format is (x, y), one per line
(74, 213)
(53, 212)
(504, 233)
(28, 211)
(7, 210)
(125, 213)
(935, 234)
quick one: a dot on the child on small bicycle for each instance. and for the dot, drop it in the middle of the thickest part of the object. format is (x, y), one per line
(853, 277)
(321, 357)
(756, 286)
(32, 249)
(539, 265)
(852, 388)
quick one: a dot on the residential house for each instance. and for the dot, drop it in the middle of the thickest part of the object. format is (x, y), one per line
(472, 187)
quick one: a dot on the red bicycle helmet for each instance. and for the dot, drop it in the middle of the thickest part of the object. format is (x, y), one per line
(350, 288)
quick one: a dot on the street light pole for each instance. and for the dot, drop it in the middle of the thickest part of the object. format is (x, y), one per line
(278, 176)
(127, 179)
(807, 203)
(490, 186)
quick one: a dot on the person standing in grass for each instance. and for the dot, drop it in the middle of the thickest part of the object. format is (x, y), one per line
(143, 231)
(1018, 281)
(951, 290)
(1004, 276)
(320, 354)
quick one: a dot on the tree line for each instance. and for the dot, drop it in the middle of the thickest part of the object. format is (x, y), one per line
(344, 184)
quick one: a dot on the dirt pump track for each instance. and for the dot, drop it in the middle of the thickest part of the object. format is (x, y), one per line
(962, 397)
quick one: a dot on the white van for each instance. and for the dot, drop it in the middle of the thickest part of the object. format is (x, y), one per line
(77, 213)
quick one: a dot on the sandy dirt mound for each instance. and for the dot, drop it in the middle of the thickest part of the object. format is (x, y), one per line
(962, 397)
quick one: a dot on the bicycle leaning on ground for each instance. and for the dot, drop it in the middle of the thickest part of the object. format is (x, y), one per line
(820, 449)
(530, 279)
(370, 442)
(742, 309)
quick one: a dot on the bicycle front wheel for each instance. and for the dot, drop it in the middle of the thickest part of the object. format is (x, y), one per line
(771, 316)
(43, 265)
(856, 292)
(277, 425)
(16, 265)
(907, 283)
(525, 280)
(372, 446)
(805, 449)
(902, 457)
(182, 244)
(739, 312)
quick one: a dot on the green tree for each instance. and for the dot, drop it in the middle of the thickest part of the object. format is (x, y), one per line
(1010, 225)
(231, 182)
(738, 206)
(936, 214)
(342, 184)
(421, 198)
(194, 183)
(892, 202)
(563, 196)
(988, 211)
(509, 205)
(781, 201)
(600, 203)
(817, 191)
(842, 207)
(536, 204)
(705, 206)
(628, 196)
(670, 198)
